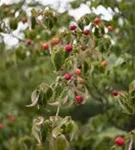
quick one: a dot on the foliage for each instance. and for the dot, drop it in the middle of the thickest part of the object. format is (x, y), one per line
(82, 83)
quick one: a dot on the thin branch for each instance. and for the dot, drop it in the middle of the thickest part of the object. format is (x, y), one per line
(130, 144)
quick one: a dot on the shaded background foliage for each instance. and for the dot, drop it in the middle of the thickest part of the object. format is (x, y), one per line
(24, 67)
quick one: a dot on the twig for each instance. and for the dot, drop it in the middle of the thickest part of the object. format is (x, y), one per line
(58, 110)
(130, 144)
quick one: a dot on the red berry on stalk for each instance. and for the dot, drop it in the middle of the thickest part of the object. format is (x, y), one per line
(45, 46)
(110, 28)
(55, 41)
(1, 125)
(97, 20)
(78, 72)
(119, 141)
(28, 41)
(68, 48)
(72, 27)
(67, 76)
(104, 63)
(115, 93)
(79, 99)
(86, 32)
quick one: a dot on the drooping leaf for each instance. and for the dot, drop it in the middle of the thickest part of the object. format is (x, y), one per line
(49, 93)
(57, 58)
(34, 98)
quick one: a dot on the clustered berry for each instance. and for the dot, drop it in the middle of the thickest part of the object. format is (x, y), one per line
(45, 46)
(68, 48)
(86, 32)
(115, 93)
(104, 63)
(72, 27)
(77, 72)
(79, 99)
(97, 20)
(67, 76)
(110, 28)
(119, 141)
(28, 41)
(55, 41)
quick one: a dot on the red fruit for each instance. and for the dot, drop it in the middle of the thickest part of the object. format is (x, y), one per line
(86, 32)
(67, 76)
(11, 118)
(68, 48)
(29, 41)
(104, 63)
(119, 141)
(97, 20)
(115, 93)
(45, 46)
(79, 99)
(55, 41)
(78, 71)
(72, 27)
(1, 125)
(110, 28)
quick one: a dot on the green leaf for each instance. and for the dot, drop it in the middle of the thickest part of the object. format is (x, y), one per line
(34, 98)
(56, 132)
(132, 84)
(58, 89)
(33, 22)
(61, 143)
(13, 23)
(127, 108)
(49, 93)
(42, 98)
(57, 58)
(96, 32)
(85, 66)
(45, 130)
(81, 23)
(119, 61)
(72, 129)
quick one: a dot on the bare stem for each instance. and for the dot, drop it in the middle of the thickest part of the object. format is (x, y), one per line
(58, 110)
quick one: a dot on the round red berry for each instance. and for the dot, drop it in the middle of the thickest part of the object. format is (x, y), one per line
(28, 41)
(79, 99)
(110, 28)
(115, 93)
(104, 63)
(119, 141)
(68, 48)
(45, 46)
(86, 32)
(78, 72)
(55, 41)
(97, 20)
(67, 76)
(72, 27)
